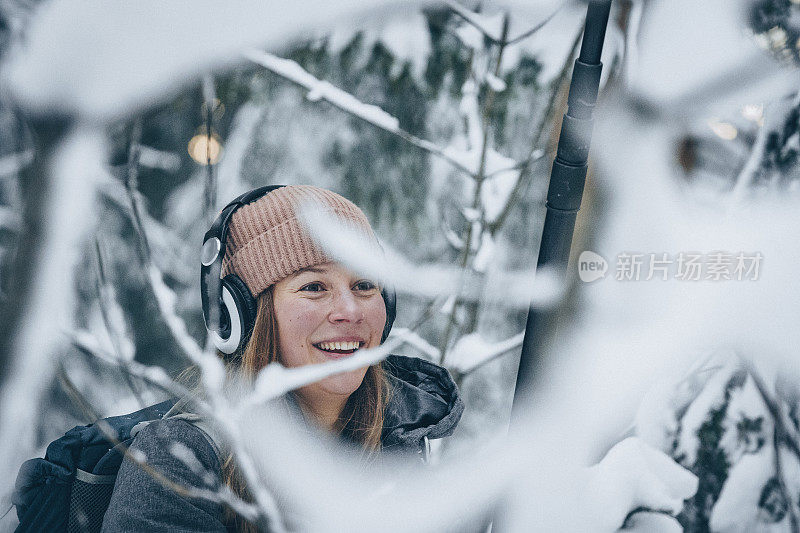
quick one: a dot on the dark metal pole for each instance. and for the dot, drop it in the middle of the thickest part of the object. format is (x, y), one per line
(567, 179)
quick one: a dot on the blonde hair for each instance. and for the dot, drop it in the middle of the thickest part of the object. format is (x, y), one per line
(361, 420)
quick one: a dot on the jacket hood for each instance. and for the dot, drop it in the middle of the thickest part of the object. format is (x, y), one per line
(423, 402)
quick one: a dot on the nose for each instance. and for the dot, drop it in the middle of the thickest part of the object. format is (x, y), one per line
(345, 307)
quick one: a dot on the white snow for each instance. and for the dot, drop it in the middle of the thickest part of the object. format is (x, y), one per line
(486, 253)
(500, 176)
(634, 474)
(736, 509)
(497, 84)
(106, 61)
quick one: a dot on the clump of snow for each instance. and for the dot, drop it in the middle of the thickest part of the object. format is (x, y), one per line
(736, 509)
(485, 255)
(634, 474)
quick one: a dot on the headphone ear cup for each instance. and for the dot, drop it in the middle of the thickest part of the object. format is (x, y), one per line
(246, 305)
(390, 301)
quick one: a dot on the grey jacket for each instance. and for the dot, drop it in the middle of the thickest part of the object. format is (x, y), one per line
(424, 404)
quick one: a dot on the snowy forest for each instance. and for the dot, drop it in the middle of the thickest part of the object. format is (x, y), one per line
(667, 394)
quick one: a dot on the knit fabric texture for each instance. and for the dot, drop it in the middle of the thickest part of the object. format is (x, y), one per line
(267, 242)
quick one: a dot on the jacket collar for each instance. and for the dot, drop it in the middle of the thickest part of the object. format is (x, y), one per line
(423, 402)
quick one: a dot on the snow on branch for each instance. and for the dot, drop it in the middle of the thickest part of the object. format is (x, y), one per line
(520, 289)
(77, 169)
(322, 90)
(414, 339)
(275, 380)
(473, 351)
(88, 344)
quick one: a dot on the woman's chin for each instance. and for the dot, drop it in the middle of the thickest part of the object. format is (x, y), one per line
(343, 384)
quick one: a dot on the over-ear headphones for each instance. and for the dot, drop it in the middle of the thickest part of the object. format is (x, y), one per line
(229, 298)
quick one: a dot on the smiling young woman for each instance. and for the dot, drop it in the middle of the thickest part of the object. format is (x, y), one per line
(307, 310)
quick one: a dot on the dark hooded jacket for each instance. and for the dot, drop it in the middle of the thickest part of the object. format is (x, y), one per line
(423, 404)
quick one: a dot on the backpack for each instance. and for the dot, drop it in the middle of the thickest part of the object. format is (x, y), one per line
(70, 489)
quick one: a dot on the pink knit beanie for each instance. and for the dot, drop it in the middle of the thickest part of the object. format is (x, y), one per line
(266, 241)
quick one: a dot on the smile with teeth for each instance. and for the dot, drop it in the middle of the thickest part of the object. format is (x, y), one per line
(339, 347)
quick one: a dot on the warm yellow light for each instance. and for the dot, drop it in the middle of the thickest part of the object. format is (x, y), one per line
(753, 112)
(201, 150)
(723, 130)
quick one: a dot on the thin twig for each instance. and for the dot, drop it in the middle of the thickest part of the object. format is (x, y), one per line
(501, 348)
(469, 17)
(210, 192)
(750, 169)
(537, 27)
(161, 238)
(132, 185)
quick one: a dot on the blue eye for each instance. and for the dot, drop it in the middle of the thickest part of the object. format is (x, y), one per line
(313, 287)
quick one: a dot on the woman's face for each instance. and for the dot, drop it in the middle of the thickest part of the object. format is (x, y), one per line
(324, 313)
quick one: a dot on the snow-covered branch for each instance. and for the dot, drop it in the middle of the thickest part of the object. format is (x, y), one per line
(114, 320)
(275, 380)
(70, 171)
(525, 174)
(9, 218)
(322, 90)
(518, 289)
(412, 338)
(472, 351)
